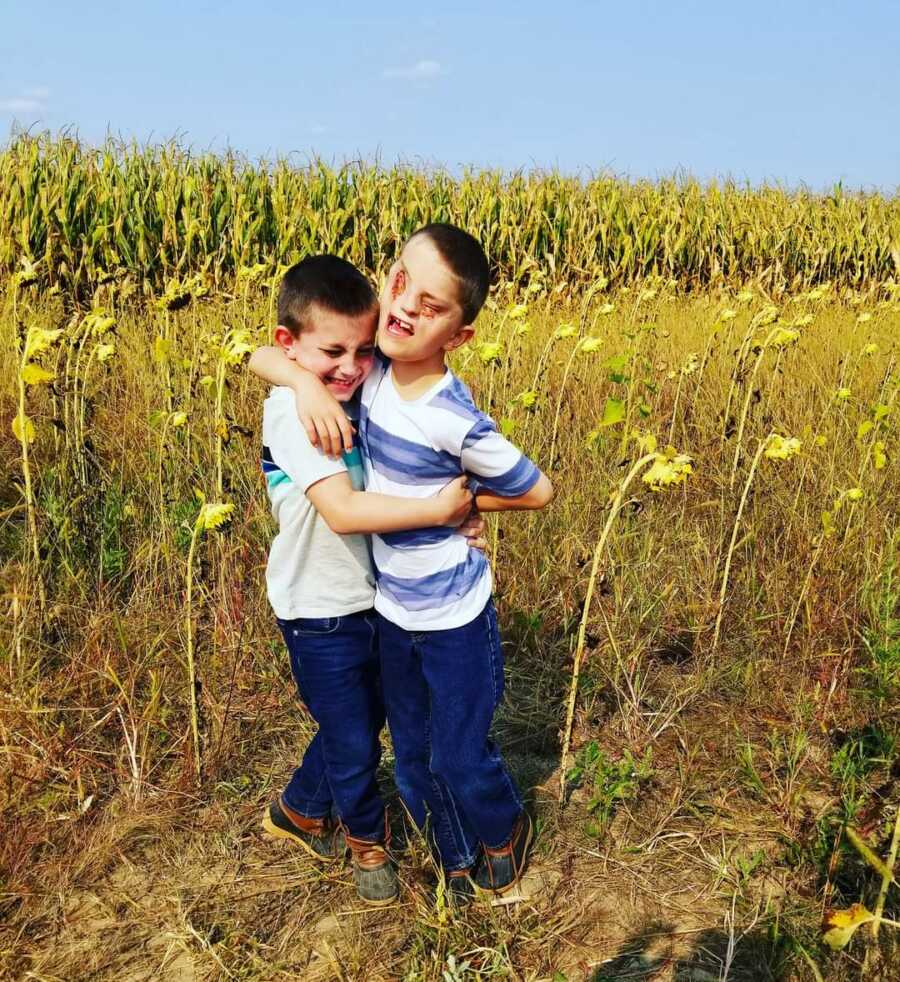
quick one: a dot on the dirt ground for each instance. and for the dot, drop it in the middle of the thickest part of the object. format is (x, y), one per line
(688, 882)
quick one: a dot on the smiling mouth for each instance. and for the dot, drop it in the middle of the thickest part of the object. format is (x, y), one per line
(399, 328)
(344, 383)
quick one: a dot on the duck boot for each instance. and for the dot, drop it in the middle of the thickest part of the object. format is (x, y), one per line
(501, 869)
(322, 838)
(373, 871)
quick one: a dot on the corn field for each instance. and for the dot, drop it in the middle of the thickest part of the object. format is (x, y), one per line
(81, 216)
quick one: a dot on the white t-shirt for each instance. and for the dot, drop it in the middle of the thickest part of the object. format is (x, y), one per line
(312, 571)
(430, 579)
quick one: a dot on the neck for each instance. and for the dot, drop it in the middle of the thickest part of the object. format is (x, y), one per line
(415, 377)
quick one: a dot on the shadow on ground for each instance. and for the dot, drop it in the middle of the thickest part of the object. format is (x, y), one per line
(660, 952)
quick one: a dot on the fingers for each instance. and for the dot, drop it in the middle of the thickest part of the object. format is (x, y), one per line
(335, 438)
(472, 526)
(310, 427)
(332, 434)
(477, 542)
(474, 523)
(346, 428)
(322, 438)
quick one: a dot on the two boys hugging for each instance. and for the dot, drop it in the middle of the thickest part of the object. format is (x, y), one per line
(401, 624)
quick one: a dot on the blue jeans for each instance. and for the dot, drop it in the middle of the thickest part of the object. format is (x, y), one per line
(334, 661)
(441, 689)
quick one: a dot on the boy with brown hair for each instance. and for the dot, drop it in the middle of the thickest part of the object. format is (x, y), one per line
(319, 575)
(442, 665)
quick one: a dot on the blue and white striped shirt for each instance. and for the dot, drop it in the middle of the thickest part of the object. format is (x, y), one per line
(430, 579)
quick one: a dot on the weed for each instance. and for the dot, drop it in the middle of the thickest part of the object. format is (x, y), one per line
(610, 782)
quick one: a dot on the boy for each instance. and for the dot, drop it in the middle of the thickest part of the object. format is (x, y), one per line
(319, 575)
(442, 666)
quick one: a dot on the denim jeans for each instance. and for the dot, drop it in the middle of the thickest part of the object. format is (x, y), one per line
(334, 661)
(441, 689)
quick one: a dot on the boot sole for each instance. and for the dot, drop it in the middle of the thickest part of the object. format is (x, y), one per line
(277, 833)
(380, 903)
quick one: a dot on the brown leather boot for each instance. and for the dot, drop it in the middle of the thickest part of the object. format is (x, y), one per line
(501, 869)
(322, 838)
(373, 871)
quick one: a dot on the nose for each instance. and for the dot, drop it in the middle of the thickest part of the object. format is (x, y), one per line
(347, 365)
(409, 303)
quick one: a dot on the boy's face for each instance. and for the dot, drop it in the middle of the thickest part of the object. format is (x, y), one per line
(337, 348)
(420, 310)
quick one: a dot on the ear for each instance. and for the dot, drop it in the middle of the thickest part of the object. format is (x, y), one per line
(462, 336)
(285, 340)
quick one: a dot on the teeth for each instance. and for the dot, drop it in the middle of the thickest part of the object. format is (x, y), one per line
(398, 325)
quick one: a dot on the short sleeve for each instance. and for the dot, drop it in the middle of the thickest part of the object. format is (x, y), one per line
(496, 464)
(288, 445)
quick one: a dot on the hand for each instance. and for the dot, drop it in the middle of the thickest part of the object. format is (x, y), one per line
(455, 500)
(322, 416)
(473, 529)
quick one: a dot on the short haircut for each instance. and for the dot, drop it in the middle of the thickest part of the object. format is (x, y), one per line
(330, 282)
(465, 257)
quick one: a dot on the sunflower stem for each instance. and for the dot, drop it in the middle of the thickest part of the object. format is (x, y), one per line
(734, 532)
(886, 879)
(192, 673)
(582, 627)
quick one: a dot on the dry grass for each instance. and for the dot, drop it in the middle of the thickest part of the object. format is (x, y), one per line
(117, 865)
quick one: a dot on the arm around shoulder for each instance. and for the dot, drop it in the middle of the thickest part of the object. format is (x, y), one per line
(272, 365)
(322, 416)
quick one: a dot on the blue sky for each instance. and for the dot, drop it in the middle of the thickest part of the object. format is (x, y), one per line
(793, 91)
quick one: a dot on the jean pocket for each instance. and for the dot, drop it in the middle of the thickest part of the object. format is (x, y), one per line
(310, 627)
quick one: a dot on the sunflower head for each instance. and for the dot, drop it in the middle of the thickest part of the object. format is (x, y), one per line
(235, 346)
(489, 351)
(779, 447)
(214, 515)
(668, 468)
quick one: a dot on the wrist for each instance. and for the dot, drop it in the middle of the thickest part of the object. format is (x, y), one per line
(439, 513)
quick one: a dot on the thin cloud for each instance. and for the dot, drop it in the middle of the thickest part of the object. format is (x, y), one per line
(32, 100)
(421, 69)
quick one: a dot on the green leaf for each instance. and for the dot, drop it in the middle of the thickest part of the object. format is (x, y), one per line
(613, 412)
(35, 375)
(616, 366)
(23, 429)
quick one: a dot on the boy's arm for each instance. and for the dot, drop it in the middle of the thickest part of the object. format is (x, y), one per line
(538, 496)
(346, 510)
(322, 416)
(506, 479)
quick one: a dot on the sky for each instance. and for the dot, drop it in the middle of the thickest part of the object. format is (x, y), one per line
(793, 92)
